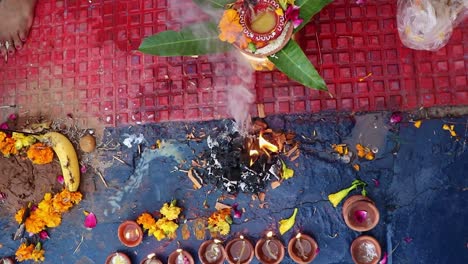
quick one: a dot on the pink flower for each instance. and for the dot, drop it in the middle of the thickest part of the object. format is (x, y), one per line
(237, 213)
(360, 216)
(60, 179)
(13, 117)
(83, 169)
(4, 126)
(90, 220)
(43, 235)
(396, 118)
(292, 13)
(384, 259)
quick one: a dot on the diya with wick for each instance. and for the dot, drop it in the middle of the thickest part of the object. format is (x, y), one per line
(7, 261)
(212, 252)
(302, 249)
(151, 259)
(269, 250)
(118, 258)
(130, 233)
(180, 256)
(239, 251)
(365, 250)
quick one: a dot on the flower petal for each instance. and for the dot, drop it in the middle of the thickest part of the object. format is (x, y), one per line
(4, 126)
(43, 235)
(90, 220)
(12, 117)
(288, 223)
(60, 179)
(396, 117)
(384, 259)
(360, 216)
(376, 182)
(83, 169)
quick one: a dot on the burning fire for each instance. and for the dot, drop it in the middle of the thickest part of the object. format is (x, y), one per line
(260, 146)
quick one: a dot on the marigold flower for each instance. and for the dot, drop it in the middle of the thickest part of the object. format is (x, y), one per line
(229, 26)
(171, 211)
(159, 234)
(7, 145)
(19, 215)
(146, 220)
(29, 252)
(39, 153)
(167, 225)
(220, 221)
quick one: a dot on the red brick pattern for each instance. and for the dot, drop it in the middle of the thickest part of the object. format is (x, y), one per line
(81, 59)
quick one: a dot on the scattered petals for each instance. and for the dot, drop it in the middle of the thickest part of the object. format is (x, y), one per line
(341, 149)
(83, 169)
(417, 123)
(364, 152)
(384, 259)
(317, 251)
(60, 179)
(286, 224)
(13, 117)
(376, 182)
(360, 216)
(396, 118)
(408, 239)
(287, 173)
(4, 126)
(336, 198)
(90, 220)
(357, 167)
(43, 235)
(237, 213)
(451, 129)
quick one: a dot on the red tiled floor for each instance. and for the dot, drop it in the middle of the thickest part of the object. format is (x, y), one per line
(81, 59)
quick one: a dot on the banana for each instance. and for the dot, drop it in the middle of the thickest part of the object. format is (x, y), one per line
(66, 154)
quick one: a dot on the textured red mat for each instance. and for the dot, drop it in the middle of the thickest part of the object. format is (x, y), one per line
(80, 59)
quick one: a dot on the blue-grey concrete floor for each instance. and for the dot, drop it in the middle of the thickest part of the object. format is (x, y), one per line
(422, 196)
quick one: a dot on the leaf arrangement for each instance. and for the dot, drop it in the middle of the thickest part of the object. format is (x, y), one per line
(202, 38)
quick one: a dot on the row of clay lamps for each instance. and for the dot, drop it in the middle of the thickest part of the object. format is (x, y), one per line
(360, 214)
(268, 250)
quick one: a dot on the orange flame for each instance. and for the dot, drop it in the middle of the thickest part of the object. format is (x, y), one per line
(265, 145)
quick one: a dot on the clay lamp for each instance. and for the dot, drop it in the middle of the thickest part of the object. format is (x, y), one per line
(151, 259)
(180, 256)
(212, 252)
(130, 233)
(366, 250)
(360, 213)
(118, 258)
(239, 251)
(302, 249)
(269, 250)
(7, 261)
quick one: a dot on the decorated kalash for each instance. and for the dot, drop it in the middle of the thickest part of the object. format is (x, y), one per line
(262, 30)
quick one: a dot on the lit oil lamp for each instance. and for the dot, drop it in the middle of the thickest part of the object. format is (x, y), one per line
(269, 250)
(302, 249)
(118, 258)
(180, 256)
(151, 259)
(130, 234)
(6, 261)
(239, 251)
(212, 252)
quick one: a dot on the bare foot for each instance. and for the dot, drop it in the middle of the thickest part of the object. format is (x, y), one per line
(16, 17)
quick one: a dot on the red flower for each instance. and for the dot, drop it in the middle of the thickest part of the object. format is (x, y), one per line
(292, 13)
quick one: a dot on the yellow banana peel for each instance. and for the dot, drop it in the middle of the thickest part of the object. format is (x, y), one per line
(286, 224)
(66, 154)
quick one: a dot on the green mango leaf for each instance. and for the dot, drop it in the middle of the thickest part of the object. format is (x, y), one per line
(308, 8)
(198, 39)
(213, 3)
(292, 61)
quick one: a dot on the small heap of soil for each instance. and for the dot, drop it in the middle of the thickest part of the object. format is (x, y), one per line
(22, 182)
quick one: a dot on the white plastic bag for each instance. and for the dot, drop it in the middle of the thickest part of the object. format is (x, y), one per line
(428, 24)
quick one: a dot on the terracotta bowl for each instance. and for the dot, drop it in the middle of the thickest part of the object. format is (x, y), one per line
(214, 258)
(124, 257)
(357, 206)
(309, 247)
(366, 250)
(151, 260)
(276, 248)
(130, 233)
(173, 256)
(234, 246)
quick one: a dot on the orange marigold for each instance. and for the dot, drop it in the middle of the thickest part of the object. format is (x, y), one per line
(29, 252)
(40, 153)
(229, 26)
(63, 201)
(19, 215)
(7, 146)
(146, 220)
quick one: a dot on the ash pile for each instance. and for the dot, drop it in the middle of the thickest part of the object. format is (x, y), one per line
(236, 163)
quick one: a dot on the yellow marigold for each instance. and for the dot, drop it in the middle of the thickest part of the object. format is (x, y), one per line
(220, 221)
(223, 228)
(29, 252)
(2, 136)
(19, 215)
(39, 153)
(53, 219)
(34, 224)
(146, 220)
(229, 26)
(167, 225)
(171, 211)
(7, 147)
(159, 234)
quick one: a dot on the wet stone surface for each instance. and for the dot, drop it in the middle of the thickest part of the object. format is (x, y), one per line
(421, 192)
